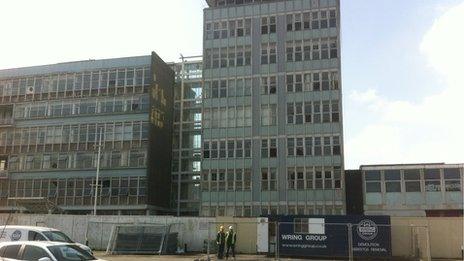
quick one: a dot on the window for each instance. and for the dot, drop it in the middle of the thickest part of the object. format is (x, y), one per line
(264, 54)
(392, 180)
(248, 55)
(290, 113)
(412, 180)
(289, 51)
(432, 180)
(332, 18)
(452, 179)
(11, 251)
(333, 49)
(238, 179)
(372, 178)
(264, 148)
(289, 22)
(34, 253)
(268, 53)
(317, 146)
(268, 148)
(290, 146)
(298, 51)
(309, 178)
(307, 20)
(272, 24)
(299, 147)
(298, 113)
(264, 25)
(314, 20)
(247, 179)
(307, 112)
(268, 179)
(268, 114)
(291, 178)
(297, 24)
(300, 181)
(268, 85)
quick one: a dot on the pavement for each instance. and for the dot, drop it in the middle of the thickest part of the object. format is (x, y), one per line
(192, 257)
(202, 257)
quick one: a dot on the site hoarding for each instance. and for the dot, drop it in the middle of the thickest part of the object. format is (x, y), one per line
(329, 236)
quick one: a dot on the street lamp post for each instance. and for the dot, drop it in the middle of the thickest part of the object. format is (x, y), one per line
(98, 172)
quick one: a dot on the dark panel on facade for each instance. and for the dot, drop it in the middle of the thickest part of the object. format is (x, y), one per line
(160, 135)
(354, 192)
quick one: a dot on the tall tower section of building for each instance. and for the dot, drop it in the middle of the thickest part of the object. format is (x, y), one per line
(272, 108)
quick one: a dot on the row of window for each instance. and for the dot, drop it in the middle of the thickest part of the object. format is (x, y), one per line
(312, 81)
(411, 180)
(312, 20)
(266, 209)
(231, 148)
(295, 22)
(294, 82)
(227, 117)
(217, 180)
(300, 178)
(313, 112)
(76, 133)
(227, 88)
(227, 57)
(231, 28)
(77, 160)
(297, 113)
(76, 187)
(296, 146)
(307, 50)
(81, 107)
(311, 50)
(313, 146)
(94, 80)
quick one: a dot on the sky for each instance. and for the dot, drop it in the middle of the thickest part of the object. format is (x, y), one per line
(401, 78)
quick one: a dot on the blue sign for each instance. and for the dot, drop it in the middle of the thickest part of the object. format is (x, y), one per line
(328, 236)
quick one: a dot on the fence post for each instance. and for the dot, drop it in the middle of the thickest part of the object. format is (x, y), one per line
(276, 250)
(208, 241)
(350, 241)
(427, 236)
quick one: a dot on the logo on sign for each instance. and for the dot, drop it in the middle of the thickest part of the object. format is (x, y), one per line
(16, 235)
(367, 229)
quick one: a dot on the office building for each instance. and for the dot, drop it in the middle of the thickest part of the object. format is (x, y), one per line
(432, 189)
(51, 121)
(272, 111)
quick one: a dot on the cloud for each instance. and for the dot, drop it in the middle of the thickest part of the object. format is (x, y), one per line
(428, 130)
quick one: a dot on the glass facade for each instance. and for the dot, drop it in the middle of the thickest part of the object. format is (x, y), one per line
(186, 167)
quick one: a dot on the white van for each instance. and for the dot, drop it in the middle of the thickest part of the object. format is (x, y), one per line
(31, 233)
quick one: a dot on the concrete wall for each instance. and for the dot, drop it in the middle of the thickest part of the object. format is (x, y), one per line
(97, 229)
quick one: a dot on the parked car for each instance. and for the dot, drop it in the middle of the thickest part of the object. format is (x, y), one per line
(43, 251)
(31, 233)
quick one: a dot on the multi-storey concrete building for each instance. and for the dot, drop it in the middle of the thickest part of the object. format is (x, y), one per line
(51, 119)
(272, 119)
(433, 189)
